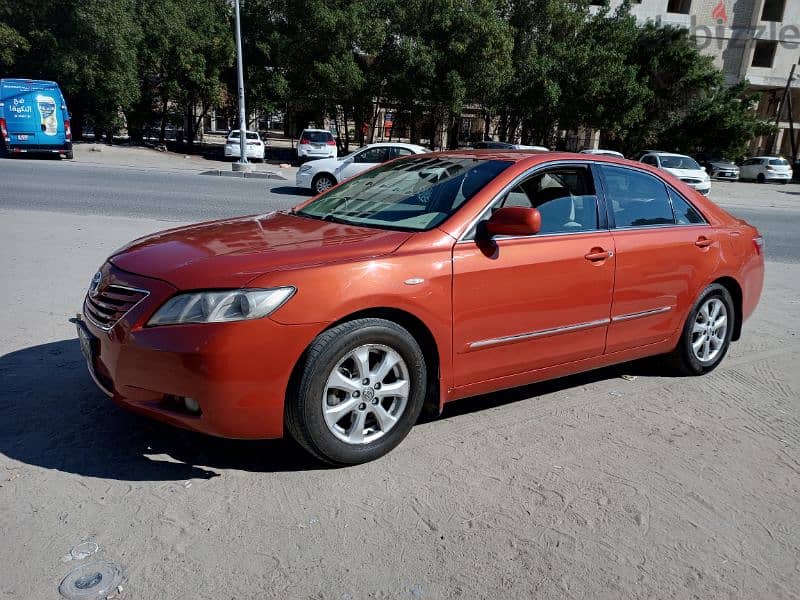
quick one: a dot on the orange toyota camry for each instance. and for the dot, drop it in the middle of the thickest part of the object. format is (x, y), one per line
(425, 280)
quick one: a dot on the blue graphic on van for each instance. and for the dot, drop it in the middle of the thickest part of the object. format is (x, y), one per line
(33, 118)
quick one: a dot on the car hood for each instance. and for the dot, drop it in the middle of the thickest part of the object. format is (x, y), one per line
(230, 253)
(694, 173)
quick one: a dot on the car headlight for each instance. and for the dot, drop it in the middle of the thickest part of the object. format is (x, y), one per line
(306, 168)
(221, 306)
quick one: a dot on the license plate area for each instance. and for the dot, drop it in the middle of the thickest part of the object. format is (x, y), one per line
(22, 137)
(87, 342)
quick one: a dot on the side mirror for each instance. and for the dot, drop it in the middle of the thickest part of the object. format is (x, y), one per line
(514, 220)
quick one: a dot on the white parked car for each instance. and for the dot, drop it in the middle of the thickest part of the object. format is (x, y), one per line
(602, 152)
(319, 175)
(766, 168)
(681, 166)
(524, 147)
(315, 143)
(255, 146)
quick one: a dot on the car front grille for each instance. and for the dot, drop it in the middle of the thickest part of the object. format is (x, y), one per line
(106, 307)
(691, 180)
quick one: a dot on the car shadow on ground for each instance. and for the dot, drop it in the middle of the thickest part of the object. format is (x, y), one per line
(287, 190)
(54, 417)
(646, 367)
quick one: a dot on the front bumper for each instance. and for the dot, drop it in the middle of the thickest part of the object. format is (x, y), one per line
(237, 372)
(303, 180)
(725, 175)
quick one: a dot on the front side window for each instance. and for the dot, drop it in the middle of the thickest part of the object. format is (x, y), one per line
(412, 194)
(637, 199)
(565, 198)
(373, 155)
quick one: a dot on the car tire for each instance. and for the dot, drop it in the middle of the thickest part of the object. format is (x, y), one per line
(338, 370)
(761, 178)
(702, 347)
(322, 183)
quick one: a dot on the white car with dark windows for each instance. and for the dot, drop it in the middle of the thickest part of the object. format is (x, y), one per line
(681, 166)
(314, 144)
(255, 145)
(319, 175)
(766, 168)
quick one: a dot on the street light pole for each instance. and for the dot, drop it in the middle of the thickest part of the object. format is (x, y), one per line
(240, 75)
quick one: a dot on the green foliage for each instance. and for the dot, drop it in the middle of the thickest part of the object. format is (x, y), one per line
(536, 67)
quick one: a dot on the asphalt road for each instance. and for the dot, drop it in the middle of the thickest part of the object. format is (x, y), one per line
(79, 189)
(49, 185)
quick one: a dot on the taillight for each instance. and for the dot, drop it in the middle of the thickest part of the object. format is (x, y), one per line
(3, 130)
(758, 242)
(331, 142)
(305, 141)
(67, 129)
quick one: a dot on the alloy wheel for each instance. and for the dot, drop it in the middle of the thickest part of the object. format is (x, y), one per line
(709, 330)
(366, 394)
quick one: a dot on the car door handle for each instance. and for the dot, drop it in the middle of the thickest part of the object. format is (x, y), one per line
(703, 242)
(596, 254)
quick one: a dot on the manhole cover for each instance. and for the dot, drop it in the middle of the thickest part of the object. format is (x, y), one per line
(93, 581)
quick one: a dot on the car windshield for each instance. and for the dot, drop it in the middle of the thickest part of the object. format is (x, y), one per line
(317, 137)
(779, 162)
(679, 162)
(413, 194)
(251, 135)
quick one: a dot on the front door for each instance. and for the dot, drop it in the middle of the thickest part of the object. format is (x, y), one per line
(524, 303)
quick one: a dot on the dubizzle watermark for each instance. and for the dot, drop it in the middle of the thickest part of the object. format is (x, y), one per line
(727, 34)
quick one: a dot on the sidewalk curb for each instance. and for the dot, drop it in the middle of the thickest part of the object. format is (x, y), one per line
(245, 174)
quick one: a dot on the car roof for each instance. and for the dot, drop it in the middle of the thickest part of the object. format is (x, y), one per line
(669, 154)
(767, 156)
(316, 130)
(380, 144)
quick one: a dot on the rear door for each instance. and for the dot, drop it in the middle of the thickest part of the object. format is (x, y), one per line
(21, 112)
(364, 160)
(665, 252)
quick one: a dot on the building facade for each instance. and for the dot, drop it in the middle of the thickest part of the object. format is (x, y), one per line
(753, 40)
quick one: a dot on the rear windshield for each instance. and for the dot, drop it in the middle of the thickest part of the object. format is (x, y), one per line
(780, 162)
(678, 162)
(250, 135)
(317, 136)
(413, 194)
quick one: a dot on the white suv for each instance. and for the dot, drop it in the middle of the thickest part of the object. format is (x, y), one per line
(315, 143)
(255, 146)
(766, 168)
(681, 166)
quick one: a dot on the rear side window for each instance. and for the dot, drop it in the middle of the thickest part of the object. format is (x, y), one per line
(650, 160)
(637, 199)
(317, 137)
(685, 213)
